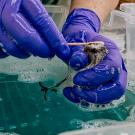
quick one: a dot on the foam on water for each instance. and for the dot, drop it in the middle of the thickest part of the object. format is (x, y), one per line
(100, 123)
(34, 69)
(55, 112)
(50, 72)
(37, 69)
(93, 123)
(118, 129)
(8, 133)
(97, 107)
(131, 116)
(131, 86)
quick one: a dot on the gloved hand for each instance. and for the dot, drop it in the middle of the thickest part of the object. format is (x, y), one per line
(26, 28)
(106, 81)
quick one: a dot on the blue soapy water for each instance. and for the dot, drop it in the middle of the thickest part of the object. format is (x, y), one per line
(23, 110)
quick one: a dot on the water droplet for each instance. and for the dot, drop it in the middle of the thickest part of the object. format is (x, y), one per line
(112, 70)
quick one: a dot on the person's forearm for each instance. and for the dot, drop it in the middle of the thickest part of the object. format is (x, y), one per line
(101, 7)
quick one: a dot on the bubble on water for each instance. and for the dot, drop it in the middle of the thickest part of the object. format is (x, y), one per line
(76, 122)
(2, 128)
(131, 87)
(11, 127)
(3, 133)
(47, 109)
(131, 116)
(97, 123)
(90, 107)
(93, 123)
(24, 125)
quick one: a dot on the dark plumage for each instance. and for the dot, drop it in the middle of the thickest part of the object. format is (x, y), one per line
(96, 52)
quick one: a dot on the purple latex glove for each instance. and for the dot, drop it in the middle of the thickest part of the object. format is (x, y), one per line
(106, 81)
(26, 28)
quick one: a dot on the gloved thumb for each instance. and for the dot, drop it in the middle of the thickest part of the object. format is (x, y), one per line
(78, 59)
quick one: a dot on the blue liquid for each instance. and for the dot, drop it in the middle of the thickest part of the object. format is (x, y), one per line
(23, 110)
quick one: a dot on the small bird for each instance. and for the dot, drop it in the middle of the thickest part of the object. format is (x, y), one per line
(96, 51)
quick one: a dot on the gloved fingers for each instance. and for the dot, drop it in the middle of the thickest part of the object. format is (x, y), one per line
(75, 94)
(13, 48)
(97, 75)
(108, 69)
(106, 93)
(22, 31)
(46, 27)
(103, 94)
(2, 53)
(71, 94)
(78, 59)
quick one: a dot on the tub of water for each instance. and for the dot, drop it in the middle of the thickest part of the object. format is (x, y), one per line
(24, 109)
